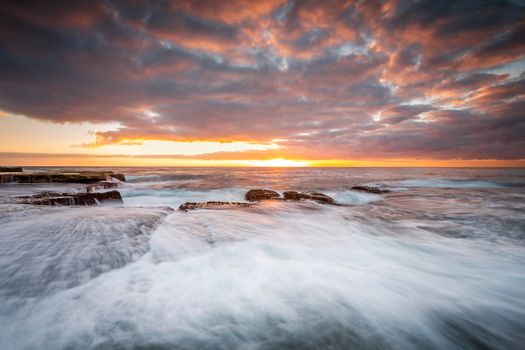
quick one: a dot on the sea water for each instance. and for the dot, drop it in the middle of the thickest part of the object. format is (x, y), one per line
(438, 263)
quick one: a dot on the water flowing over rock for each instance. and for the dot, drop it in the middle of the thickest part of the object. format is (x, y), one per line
(370, 189)
(102, 185)
(315, 196)
(213, 205)
(51, 198)
(260, 194)
(257, 195)
(62, 247)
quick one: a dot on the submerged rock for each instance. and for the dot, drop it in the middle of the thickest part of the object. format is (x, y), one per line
(370, 189)
(212, 205)
(316, 196)
(260, 195)
(52, 198)
(54, 177)
(8, 169)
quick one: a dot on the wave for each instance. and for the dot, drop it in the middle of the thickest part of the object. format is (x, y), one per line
(175, 197)
(354, 197)
(288, 279)
(452, 183)
(164, 177)
(60, 248)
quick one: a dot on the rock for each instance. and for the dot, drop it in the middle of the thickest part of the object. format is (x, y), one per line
(294, 196)
(52, 198)
(316, 196)
(370, 189)
(260, 195)
(212, 205)
(54, 177)
(105, 185)
(321, 197)
(119, 177)
(13, 169)
(257, 195)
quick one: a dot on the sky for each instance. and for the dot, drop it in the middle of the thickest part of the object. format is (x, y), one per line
(278, 83)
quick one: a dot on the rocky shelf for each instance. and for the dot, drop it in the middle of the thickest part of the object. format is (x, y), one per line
(59, 177)
(9, 169)
(257, 195)
(370, 189)
(52, 198)
(213, 205)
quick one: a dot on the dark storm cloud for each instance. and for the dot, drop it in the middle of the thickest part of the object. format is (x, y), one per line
(334, 79)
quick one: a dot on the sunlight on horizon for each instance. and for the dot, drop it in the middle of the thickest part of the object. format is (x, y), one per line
(278, 162)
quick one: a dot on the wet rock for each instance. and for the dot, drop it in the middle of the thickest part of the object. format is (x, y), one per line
(370, 189)
(7, 169)
(54, 177)
(316, 196)
(52, 198)
(294, 196)
(117, 176)
(212, 205)
(102, 185)
(320, 197)
(260, 195)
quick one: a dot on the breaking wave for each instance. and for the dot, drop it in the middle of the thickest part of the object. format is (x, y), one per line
(414, 269)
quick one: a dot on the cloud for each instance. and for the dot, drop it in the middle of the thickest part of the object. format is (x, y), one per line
(335, 79)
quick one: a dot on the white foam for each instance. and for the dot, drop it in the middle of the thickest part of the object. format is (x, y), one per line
(448, 183)
(175, 197)
(282, 275)
(354, 197)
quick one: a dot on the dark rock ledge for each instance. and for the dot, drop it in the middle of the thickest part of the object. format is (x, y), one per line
(93, 181)
(58, 177)
(53, 198)
(102, 185)
(9, 169)
(213, 205)
(258, 195)
(315, 196)
(370, 189)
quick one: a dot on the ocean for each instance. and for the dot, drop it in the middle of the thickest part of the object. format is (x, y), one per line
(437, 263)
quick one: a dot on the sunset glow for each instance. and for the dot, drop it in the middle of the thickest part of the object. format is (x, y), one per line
(262, 174)
(279, 162)
(333, 83)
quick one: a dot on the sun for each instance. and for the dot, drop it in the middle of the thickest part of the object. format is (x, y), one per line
(279, 162)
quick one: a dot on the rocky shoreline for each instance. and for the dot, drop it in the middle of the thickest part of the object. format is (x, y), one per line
(83, 199)
(96, 182)
(9, 169)
(370, 189)
(58, 177)
(93, 181)
(255, 196)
